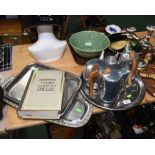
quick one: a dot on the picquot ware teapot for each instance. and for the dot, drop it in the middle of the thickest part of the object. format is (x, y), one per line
(107, 78)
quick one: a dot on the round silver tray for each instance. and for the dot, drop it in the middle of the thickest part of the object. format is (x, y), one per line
(134, 97)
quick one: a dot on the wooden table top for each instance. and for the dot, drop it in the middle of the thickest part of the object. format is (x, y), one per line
(21, 58)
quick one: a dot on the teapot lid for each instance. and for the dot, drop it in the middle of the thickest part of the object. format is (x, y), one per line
(126, 51)
(127, 48)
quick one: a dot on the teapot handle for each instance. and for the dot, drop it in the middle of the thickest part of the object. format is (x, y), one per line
(94, 74)
(134, 66)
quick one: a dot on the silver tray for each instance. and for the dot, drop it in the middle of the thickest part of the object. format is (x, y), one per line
(14, 90)
(137, 96)
(66, 120)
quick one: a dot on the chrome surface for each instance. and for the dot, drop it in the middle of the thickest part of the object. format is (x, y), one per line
(110, 86)
(112, 59)
(112, 91)
(142, 65)
(123, 102)
(78, 122)
(90, 64)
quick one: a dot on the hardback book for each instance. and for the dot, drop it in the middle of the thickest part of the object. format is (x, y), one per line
(43, 95)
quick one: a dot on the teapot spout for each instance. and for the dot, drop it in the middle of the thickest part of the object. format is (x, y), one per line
(102, 55)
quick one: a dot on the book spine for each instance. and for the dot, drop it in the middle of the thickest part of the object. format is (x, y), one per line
(62, 90)
(25, 91)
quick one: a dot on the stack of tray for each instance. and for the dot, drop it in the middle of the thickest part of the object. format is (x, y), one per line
(75, 110)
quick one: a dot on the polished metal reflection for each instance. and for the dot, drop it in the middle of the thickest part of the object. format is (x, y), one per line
(112, 59)
(137, 90)
(113, 92)
(110, 84)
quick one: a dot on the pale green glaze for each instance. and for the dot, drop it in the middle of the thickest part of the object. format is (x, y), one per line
(89, 44)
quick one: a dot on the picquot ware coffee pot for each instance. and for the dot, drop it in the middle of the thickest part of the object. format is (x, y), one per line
(106, 78)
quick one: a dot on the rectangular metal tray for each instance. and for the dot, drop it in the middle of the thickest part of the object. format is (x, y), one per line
(14, 89)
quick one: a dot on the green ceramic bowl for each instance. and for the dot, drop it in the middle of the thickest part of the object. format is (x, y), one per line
(89, 44)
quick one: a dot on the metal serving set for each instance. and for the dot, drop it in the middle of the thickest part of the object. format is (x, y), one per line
(115, 86)
(108, 82)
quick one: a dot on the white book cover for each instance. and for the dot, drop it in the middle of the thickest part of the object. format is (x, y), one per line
(45, 91)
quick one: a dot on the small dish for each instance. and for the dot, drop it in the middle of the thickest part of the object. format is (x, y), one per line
(117, 42)
(112, 29)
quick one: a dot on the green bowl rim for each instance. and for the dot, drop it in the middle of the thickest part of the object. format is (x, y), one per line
(88, 50)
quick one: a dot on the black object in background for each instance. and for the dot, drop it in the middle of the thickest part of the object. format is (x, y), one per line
(95, 21)
(1, 102)
(5, 64)
(102, 126)
(141, 118)
(29, 22)
(33, 20)
(5, 57)
(126, 126)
